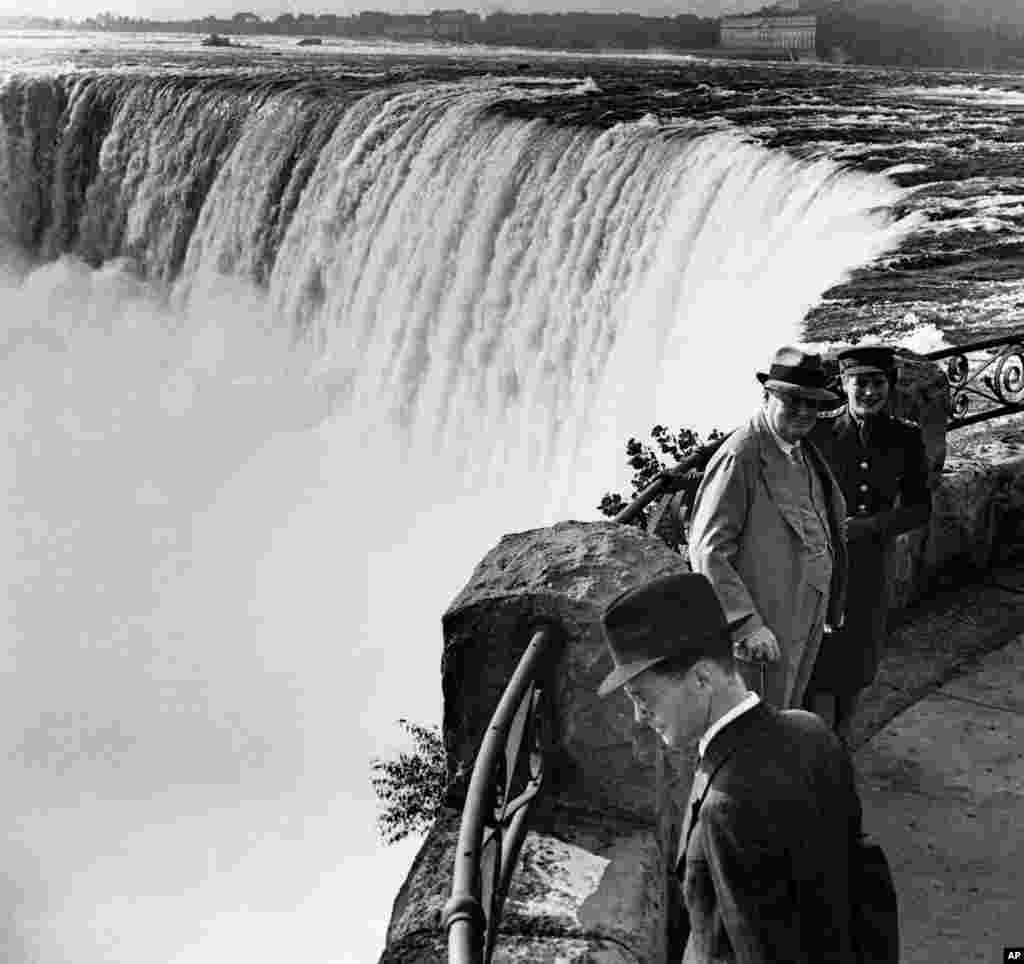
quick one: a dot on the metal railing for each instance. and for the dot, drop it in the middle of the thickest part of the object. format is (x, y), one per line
(507, 776)
(986, 379)
(686, 474)
(509, 770)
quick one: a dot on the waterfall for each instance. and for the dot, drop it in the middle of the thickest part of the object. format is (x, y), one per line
(284, 356)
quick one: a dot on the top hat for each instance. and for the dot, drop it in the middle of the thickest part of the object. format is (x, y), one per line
(800, 373)
(867, 358)
(675, 617)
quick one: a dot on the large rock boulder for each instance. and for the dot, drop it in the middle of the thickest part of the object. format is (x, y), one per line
(565, 576)
(978, 509)
(922, 396)
(592, 882)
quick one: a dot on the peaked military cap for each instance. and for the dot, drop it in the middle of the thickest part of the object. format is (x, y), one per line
(800, 372)
(675, 617)
(867, 358)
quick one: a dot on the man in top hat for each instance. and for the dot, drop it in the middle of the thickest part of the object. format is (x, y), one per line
(768, 834)
(767, 531)
(880, 464)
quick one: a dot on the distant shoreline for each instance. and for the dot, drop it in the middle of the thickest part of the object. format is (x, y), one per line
(869, 33)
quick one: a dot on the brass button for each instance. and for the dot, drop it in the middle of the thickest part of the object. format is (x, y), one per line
(862, 508)
(863, 466)
(863, 486)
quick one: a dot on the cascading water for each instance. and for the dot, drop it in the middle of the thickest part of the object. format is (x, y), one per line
(333, 342)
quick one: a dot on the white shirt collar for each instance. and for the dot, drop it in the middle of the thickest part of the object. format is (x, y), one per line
(748, 702)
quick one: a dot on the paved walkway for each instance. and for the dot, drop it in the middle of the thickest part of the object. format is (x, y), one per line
(943, 783)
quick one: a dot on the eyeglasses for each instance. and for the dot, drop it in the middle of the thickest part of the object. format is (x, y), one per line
(793, 403)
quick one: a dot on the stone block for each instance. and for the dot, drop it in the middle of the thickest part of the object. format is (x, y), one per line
(564, 575)
(604, 887)
(593, 892)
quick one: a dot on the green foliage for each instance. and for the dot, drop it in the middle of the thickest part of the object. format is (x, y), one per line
(411, 788)
(647, 463)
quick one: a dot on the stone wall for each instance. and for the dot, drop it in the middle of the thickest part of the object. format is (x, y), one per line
(592, 882)
(978, 489)
(978, 509)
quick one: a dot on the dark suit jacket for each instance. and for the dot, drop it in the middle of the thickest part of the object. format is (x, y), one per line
(765, 875)
(885, 483)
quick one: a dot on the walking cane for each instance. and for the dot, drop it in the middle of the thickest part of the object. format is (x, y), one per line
(742, 657)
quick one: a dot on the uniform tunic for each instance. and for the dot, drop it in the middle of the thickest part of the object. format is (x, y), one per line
(883, 473)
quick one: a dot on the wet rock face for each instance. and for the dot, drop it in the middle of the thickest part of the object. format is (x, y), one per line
(564, 575)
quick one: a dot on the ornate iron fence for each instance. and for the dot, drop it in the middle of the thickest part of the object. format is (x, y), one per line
(986, 379)
(507, 776)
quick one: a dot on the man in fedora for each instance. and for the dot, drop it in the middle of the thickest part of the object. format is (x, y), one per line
(880, 464)
(767, 531)
(773, 817)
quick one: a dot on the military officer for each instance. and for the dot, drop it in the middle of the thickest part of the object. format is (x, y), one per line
(880, 464)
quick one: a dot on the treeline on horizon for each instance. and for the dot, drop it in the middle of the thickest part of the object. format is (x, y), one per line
(882, 32)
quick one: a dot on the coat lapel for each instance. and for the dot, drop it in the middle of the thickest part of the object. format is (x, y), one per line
(722, 746)
(697, 791)
(774, 471)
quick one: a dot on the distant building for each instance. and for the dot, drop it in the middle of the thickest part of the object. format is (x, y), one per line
(778, 29)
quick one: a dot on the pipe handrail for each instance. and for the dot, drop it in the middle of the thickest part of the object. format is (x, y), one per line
(470, 932)
(643, 499)
(666, 479)
(973, 346)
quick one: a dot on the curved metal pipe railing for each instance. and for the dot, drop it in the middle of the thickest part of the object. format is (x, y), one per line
(495, 814)
(643, 499)
(686, 473)
(994, 381)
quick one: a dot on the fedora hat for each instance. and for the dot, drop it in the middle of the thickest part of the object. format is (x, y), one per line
(675, 617)
(799, 372)
(865, 359)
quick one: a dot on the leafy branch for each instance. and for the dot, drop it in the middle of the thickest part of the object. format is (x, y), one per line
(648, 462)
(411, 788)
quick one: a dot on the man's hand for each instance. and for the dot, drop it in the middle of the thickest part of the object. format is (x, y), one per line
(761, 645)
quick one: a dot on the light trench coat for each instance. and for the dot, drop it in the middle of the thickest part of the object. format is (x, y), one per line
(747, 538)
